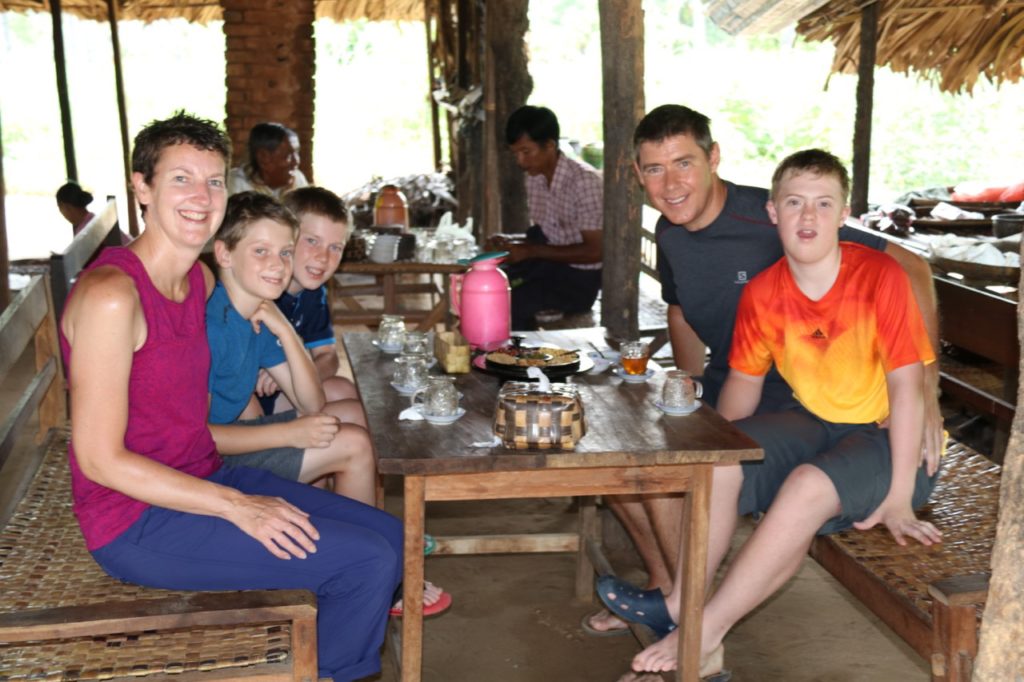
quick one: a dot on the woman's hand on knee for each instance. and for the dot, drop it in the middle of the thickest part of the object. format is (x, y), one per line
(281, 527)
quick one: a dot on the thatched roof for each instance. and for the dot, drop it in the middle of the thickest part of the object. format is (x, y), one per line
(758, 16)
(951, 42)
(203, 11)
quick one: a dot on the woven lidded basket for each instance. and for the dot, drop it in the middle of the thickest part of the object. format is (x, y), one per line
(528, 418)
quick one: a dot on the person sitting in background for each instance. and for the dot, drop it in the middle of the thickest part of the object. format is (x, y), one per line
(558, 266)
(273, 164)
(73, 203)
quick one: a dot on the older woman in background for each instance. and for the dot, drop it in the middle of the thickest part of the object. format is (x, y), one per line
(273, 164)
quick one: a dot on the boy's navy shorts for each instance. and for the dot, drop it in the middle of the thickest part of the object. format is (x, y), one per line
(855, 457)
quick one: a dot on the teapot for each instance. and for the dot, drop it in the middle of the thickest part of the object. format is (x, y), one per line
(482, 299)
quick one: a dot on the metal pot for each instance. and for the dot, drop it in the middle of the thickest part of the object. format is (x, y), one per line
(1006, 224)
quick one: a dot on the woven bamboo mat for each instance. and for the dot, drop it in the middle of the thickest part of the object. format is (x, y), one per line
(54, 569)
(964, 506)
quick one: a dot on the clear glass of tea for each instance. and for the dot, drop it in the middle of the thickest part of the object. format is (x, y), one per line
(634, 355)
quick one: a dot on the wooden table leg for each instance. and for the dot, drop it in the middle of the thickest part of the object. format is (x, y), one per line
(589, 530)
(390, 293)
(412, 590)
(696, 510)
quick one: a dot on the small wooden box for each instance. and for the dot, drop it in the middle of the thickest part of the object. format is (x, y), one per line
(526, 418)
(452, 352)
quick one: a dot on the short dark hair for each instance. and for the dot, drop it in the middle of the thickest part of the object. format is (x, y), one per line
(317, 201)
(538, 123)
(72, 194)
(181, 128)
(267, 136)
(670, 120)
(244, 209)
(817, 161)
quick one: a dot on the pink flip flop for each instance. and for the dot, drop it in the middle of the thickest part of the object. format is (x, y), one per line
(442, 604)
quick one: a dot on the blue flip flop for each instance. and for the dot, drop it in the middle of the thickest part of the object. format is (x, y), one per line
(646, 607)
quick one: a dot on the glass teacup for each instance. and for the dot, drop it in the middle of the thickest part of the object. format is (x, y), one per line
(680, 390)
(391, 333)
(439, 398)
(410, 372)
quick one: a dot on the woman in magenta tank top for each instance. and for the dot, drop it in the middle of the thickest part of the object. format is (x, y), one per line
(154, 503)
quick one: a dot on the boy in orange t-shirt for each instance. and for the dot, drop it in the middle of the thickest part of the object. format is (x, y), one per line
(840, 323)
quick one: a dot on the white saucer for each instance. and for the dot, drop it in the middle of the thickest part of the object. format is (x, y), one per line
(601, 363)
(387, 349)
(677, 411)
(632, 378)
(406, 390)
(443, 420)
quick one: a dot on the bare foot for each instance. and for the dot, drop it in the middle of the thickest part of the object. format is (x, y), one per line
(431, 593)
(662, 656)
(604, 621)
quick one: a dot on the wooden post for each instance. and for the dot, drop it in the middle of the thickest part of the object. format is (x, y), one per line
(5, 256)
(122, 112)
(507, 23)
(1000, 656)
(622, 57)
(491, 182)
(431, 22)
(865, 105)
(62, 90)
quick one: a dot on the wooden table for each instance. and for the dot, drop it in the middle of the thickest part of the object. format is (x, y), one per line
(387, 275)
(630, 448)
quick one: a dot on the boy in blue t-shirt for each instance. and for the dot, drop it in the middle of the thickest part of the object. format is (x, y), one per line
(323, 231)
(248, 333)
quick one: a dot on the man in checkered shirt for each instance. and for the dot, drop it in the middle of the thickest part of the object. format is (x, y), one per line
(558, 265)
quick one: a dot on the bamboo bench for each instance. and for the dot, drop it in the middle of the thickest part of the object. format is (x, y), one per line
(61, 617)
(932, 597)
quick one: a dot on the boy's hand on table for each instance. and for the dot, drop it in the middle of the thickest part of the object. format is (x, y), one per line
(265, 384)
(902, 523)
(314, 430)
(281, 527)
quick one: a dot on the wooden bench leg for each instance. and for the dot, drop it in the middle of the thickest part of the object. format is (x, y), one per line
(955, 626)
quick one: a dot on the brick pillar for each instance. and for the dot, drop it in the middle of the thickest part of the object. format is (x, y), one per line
(270, 66)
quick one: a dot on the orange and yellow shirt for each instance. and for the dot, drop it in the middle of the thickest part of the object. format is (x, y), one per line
(836, 351)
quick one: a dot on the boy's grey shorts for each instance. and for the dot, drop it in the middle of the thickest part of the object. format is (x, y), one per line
(855, 457)
(285, 462)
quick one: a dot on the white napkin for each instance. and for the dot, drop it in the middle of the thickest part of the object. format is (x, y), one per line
(971, 250)
(944, 211)
(411, 413)
(445, 226)
(543, 383)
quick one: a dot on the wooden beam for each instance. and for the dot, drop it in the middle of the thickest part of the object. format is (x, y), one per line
(115, 42)
(62, 90)
(622, 66)
(865, 106)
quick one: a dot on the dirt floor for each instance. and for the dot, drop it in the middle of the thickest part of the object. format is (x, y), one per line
(514, 618)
